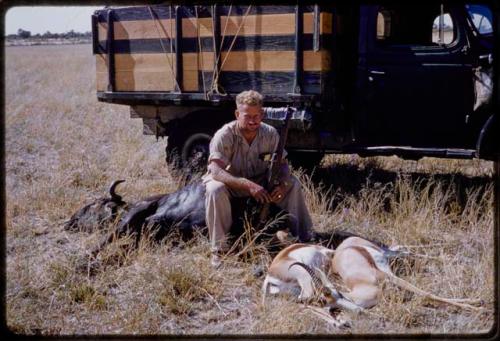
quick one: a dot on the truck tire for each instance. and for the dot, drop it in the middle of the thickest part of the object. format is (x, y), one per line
(487, 145)
(194, 152)
(189, 150)
(305, 160)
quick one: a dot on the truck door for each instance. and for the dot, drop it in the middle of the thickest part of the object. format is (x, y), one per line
(415, 81)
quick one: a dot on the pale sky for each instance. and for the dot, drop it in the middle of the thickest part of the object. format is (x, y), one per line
(40, 19)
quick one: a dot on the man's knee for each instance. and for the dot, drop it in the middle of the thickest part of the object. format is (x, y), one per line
(295, 184)
(216, 189)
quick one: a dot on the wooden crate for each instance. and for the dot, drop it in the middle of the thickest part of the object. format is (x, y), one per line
(257, 49)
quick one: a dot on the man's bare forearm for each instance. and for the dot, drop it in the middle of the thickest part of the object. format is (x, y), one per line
(219, 174)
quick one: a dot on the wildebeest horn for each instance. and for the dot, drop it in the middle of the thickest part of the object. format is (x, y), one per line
(112, 192)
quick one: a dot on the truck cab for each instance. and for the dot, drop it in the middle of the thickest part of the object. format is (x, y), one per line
(423, 79)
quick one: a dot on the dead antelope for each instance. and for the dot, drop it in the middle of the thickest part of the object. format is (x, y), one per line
(361, 265)
(291, 272)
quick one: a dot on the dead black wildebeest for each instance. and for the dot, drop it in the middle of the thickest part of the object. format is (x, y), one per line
(182, 211)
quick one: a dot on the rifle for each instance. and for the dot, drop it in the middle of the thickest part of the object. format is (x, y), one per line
(275, 165)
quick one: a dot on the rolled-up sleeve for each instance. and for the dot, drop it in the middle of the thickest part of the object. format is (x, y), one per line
(220, 147)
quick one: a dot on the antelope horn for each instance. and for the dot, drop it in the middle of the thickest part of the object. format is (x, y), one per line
(318, 281)
(112, 192)
(325, 280)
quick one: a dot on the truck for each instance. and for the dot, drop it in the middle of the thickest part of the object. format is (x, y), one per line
(412, 79)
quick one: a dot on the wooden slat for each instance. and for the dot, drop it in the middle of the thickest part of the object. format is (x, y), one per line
(271, 82)
(139, 29)
(326, 61)
(162, 64)
(102, 75)
(144, 81)
(258, 61)
(237, 61)
(326, 23)
(102, 30)
(145, 62)
(308, 23)
(145, 29)
(154, 29)
(149, 62)
(101, 63)
(194, 61)
(316, 61)
(101, 81)
(268, 82)
(265, 61)
(272, 24)
(273, 61)
(190, 81)
(189, 27)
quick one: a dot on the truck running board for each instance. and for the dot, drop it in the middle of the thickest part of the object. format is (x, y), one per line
(412, 152)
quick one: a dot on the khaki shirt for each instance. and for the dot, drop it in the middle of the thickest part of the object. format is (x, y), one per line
(238, 157)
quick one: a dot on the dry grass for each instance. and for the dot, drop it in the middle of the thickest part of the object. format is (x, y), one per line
(63, 148)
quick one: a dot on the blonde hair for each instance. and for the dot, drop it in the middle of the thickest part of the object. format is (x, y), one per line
(249, 97)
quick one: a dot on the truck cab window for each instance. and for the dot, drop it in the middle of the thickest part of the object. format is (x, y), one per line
(442, 30)
(424, 25)
(481, 18)
(383, 24)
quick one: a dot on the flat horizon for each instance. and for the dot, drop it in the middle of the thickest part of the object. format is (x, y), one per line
(55, 19)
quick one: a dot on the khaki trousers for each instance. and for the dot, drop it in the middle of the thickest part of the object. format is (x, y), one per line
(219, 219)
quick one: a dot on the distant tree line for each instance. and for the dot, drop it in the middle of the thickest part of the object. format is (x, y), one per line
(23, 34)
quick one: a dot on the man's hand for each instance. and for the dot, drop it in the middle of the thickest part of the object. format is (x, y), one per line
(258, 192)
(278, 193)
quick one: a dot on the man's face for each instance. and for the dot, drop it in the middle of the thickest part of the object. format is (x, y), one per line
(249, 117)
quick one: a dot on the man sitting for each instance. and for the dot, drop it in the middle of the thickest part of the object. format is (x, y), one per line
(235, 169)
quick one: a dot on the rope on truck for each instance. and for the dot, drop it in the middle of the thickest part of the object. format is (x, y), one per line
(163, 47)
(215, 87)
(215, 82)
(200, 52)
(215, 79)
